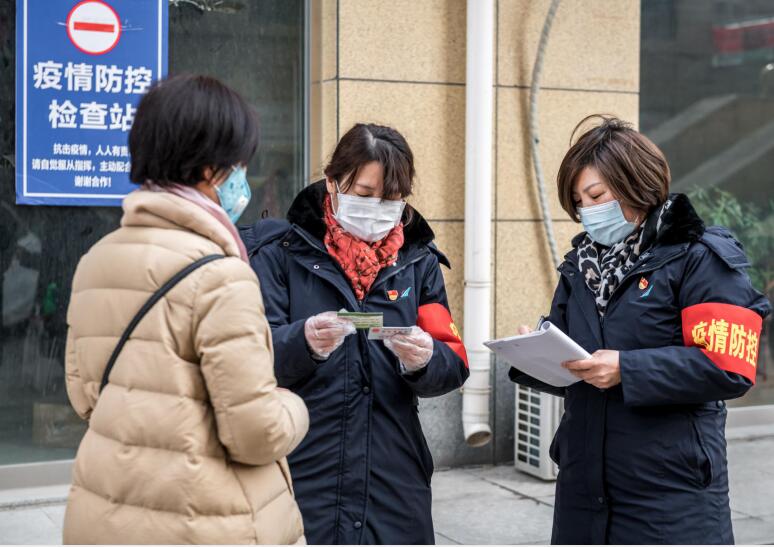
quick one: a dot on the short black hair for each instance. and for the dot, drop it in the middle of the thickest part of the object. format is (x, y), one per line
(365, 143)
(634, 168)
(187, 123)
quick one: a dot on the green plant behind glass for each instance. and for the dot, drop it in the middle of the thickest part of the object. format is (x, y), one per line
(751, 223)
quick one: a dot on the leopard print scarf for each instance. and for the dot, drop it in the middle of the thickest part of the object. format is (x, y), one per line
(604, 268)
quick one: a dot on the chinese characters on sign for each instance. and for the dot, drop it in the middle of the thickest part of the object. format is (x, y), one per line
(78, 165)
(82, 68)
(83, 77)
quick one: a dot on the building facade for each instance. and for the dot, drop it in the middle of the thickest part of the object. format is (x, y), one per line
(696, 76)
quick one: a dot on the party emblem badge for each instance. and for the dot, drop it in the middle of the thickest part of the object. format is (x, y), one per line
(643, 284)
(392, 295)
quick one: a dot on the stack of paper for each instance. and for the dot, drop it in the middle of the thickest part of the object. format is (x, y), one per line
(540, 354)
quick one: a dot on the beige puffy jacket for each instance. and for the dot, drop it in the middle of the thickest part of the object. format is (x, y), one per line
(187, 442)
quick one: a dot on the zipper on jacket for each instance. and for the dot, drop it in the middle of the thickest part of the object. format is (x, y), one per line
(363, 343)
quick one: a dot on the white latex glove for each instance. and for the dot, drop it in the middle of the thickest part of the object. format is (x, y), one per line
(325, 332)
(414, 350)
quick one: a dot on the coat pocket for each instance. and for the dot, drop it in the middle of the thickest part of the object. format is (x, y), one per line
(703, 467)
(425, 456)
(553, 449)
(684, 458)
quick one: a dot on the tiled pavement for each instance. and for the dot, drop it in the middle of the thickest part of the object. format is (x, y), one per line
(483, 505)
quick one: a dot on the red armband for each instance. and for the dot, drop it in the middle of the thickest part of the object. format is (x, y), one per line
(727, 334)
(436, 320)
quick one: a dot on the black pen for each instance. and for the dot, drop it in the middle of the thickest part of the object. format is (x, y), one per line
(540, 322)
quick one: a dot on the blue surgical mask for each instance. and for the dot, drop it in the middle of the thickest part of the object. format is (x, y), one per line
(605, 223)
(234, 194)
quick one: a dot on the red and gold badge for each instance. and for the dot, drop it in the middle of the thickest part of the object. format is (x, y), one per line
(392, 295)
(643, 284)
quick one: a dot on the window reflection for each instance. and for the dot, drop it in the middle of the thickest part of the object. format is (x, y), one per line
(257, 48)
(707, 99)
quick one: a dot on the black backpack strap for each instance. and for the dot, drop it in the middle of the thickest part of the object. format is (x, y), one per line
(155, 297)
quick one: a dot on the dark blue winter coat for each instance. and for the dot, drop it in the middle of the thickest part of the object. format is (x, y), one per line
(645, 462)
(362, 474)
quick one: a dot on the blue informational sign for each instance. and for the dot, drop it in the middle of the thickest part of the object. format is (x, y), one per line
(81, 68)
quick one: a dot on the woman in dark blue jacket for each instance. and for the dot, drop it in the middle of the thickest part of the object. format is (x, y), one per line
(673, 323)
(362, 474)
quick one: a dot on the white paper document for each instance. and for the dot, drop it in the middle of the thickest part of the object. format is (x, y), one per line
(380, 333)
(541, 354)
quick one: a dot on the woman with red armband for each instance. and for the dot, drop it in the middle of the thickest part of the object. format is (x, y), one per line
(362, 475)
(665, 307)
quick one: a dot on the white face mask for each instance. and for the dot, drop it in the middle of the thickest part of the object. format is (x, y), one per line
(369, 219)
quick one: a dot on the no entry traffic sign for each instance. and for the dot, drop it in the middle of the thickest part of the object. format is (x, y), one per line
(94, 27)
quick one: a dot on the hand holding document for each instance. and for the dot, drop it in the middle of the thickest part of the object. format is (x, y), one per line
(541, 353)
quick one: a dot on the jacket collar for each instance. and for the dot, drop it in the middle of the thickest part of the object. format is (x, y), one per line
(680, 225)
(143, 208)
(306, 212)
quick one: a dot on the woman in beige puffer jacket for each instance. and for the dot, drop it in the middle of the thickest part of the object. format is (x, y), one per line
(187, 442)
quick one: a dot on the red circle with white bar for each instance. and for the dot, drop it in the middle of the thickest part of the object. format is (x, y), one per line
(93, 27)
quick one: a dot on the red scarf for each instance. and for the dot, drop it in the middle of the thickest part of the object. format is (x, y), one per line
(360, 260)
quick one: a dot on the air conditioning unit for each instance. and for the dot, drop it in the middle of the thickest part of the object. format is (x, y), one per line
(537, 417)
